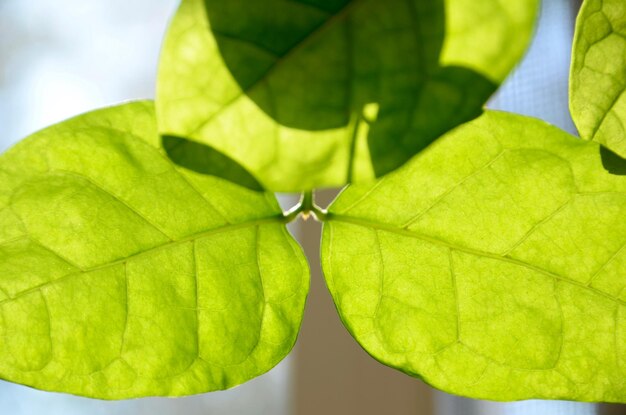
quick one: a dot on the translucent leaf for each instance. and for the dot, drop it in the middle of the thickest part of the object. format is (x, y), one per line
(491, 265)
(122, 275)
(318, 93)
(598, 74)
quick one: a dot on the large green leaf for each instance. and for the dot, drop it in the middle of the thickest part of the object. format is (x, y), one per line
(598, 73)
(314, 93)
(492, 265)
(124, 276)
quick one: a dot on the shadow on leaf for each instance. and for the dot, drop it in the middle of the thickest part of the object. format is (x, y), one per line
(612, 163)
(206, 160)
(316, 64)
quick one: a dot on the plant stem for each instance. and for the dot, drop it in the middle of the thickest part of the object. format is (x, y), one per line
(305, 207)
(291, 215)
(307, 204)
(309, 207)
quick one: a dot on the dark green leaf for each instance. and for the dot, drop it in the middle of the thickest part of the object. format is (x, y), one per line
(206, 160)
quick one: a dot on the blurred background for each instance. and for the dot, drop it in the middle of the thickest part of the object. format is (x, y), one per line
(59, 58)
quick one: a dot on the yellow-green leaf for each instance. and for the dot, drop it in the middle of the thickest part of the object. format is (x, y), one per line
(492, 265)
(316, 93)
(123, 275)
(598, 74)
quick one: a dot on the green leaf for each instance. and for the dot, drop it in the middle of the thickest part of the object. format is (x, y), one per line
(316, 93)
(598, 74)
(492, 265)
(123, 276)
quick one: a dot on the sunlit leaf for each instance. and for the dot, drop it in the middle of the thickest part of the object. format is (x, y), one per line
(598, 73)
(317, 93)
(122, 275)
(492, 265)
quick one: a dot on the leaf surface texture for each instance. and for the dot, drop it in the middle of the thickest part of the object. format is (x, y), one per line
(598, 74)
(123, 275)
(491, 265)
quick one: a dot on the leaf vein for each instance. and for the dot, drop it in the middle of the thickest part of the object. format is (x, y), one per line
(419, 215)
(226, 228)
(102, 188)
(141, 141)
(456, 295)
(532, 230)
(470, 251)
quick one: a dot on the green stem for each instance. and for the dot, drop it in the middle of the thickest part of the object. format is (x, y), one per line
(291, 215)
(307, 204)
(319, 213)
(305, 207)
(309, 207)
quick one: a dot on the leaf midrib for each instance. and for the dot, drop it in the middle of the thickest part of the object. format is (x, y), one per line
(192, 238)
(475, 252)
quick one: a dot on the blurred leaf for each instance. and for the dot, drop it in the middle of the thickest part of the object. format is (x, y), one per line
(598, 73)
(316, 93)
(501, 278)
(123, 276)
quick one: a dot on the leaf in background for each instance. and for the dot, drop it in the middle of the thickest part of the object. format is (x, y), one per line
(315, 93)
(492, 265)
(598, 74)
(122, 275)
